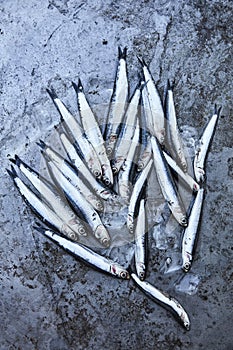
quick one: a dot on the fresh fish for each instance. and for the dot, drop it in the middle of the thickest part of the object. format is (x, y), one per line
(167, 184)
(41, 209)
(137, 189)
(124, 182)
(128, 129)
(190, 233)
(153, 105)
(85, 148)
(117, 104)
(86, 254)
(173, 138)
(184, 176)
(93, 133)
(80, 166)
(145, 150)
(68, 171)
(161, 297)
(52, 197)
(204, 143)
(140, 241)
(80, 204)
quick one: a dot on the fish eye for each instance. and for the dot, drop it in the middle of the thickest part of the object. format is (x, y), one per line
(114, 170)
(81, 230)
(100, 206)
(123, 274)
(106, 181)
(184, 221)
(73, 236)
(105, 242)
(141, 276)
(109, 150)
(96, 172)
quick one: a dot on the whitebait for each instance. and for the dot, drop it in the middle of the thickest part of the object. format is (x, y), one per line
(85, 148)
(153, 105)
(184, 176)
(80, 166)
(93, 133)
(52, 197)
(80, 204)
(124, 177)
(161, 297)
(68, 171)
(127, 131)
(117, 104)
(190, 233)
(204, 143)
(167, 184)
(41, 209)
(137, 189)
(173, 139)
(86, 254)
(140, 237)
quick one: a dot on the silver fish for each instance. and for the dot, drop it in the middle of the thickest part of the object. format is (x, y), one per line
(93, 133)
(67, 170)
(173, 138)
(124, 183)
(190, 233)
(41, 209)
(52, 197)
(99, 189)
(87, 255)
(117, 104)
(80, 204)
(153, 106)
(135, 195)
(145, 150)
(86, 150)
(128, 128)
(184, 176)
(167, 184)
(161, 297)
(204, 143)
(140, 242)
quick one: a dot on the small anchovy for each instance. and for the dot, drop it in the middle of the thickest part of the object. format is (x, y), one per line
(145, 151)
(124, 183)
(68, 171)
(173, 138)
(204, 143)
(85, 148)
(140, 242)
(41, 209)
(80, 204)
(184, 176)
(80, 166)
(153, 105)
(190, 233)
(93, 133)
(165, 299)
(117, 104)
(87, 255)
(142, 177)
(52, 197)
(167, 184)
(128, 128)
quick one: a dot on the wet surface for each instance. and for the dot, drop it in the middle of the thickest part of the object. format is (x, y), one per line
(51, 301)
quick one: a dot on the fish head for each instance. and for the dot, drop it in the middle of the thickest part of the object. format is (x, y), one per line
(179, 214)
(102, 235)
(141, 270)
(187, 261)
(69, 233)
(119, 271)
(130, 224)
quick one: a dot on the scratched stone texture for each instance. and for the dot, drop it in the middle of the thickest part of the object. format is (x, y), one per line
(49, 300)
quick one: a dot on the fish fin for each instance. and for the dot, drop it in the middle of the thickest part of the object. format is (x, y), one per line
(52, 93)
(122, 53)
(12, 172)
(41, 144)
(142, 61)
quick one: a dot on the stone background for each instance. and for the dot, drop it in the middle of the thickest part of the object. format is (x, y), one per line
(48, 300)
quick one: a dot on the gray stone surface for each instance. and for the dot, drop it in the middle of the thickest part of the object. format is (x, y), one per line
(48, 299)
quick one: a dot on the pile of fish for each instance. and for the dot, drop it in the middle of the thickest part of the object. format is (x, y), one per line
(111, 163)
